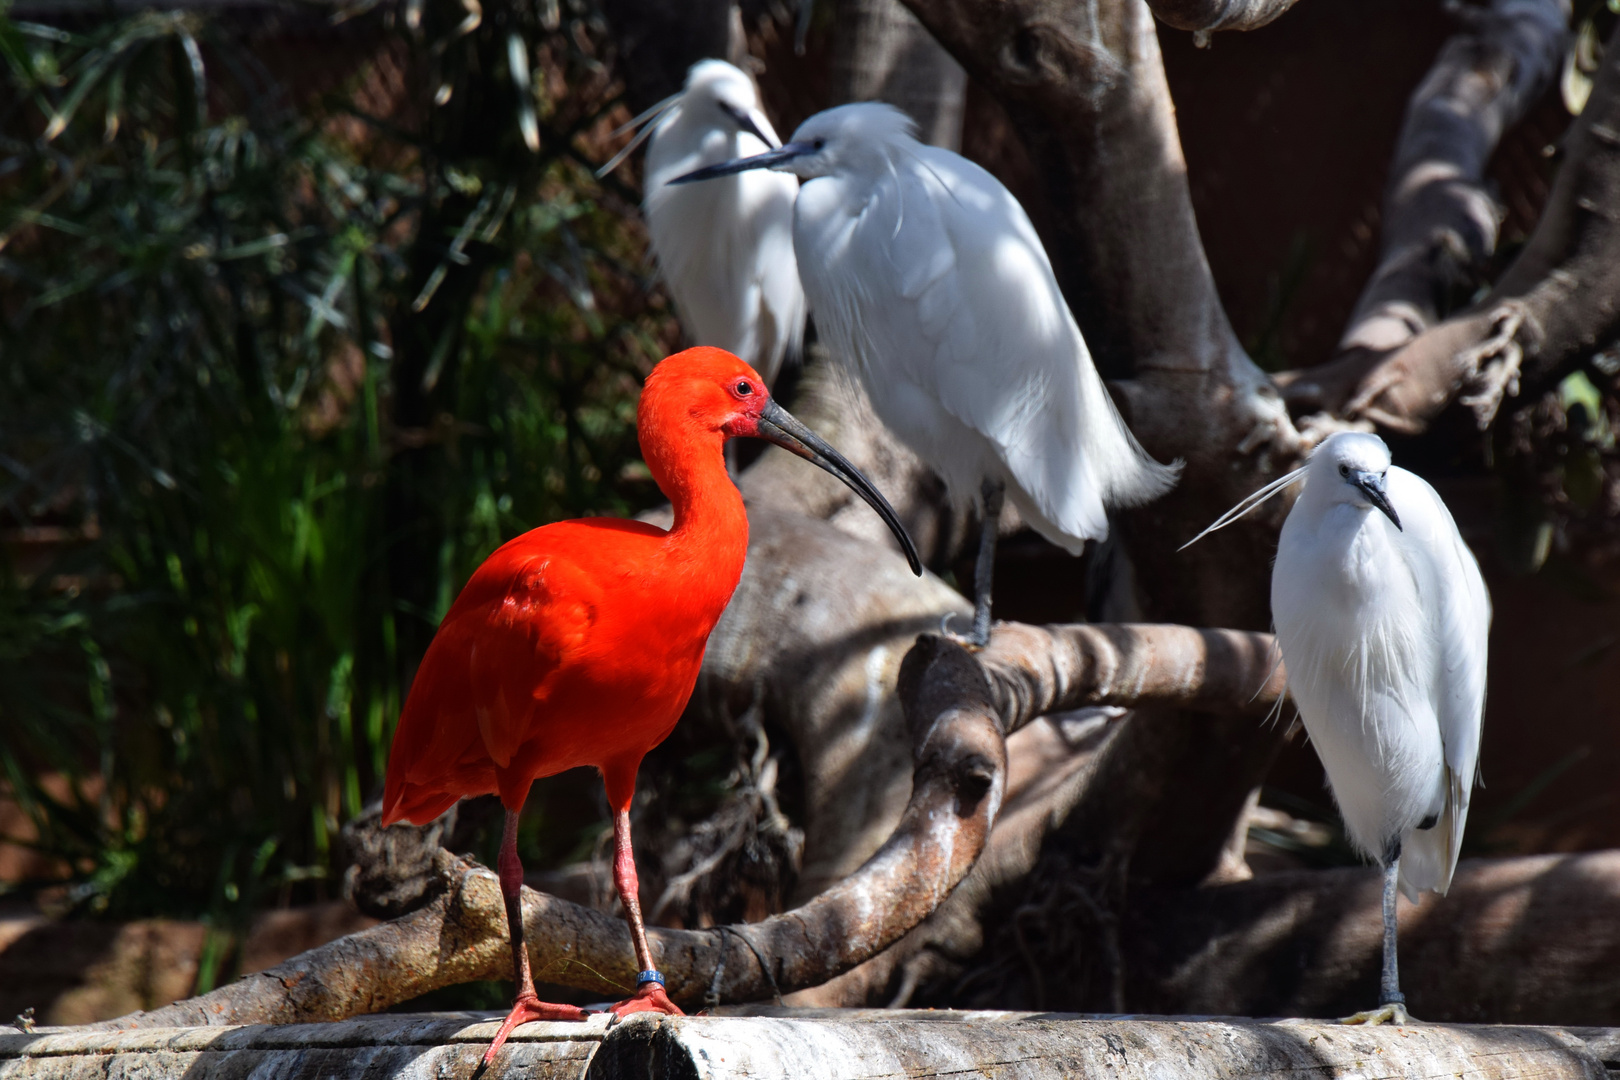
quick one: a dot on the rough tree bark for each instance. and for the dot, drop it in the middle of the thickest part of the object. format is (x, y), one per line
(1557, 304)
(953, 705)
(1207, 16)
(1084, 87)
(1517, 941)
(1439, 219)
(881, 53)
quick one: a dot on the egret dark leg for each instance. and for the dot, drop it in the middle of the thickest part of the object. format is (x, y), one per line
(1389, 988)
(650, 995)
(984, 568)
(527, 1005)
(1391, 1002)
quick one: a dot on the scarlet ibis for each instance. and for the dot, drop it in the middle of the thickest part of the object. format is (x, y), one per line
(579, 643)
(927, 278)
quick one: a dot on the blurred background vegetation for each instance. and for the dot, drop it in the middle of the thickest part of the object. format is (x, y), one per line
(286, 353)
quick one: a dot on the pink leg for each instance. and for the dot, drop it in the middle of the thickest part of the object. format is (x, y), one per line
(649, 995)
(527, 1006)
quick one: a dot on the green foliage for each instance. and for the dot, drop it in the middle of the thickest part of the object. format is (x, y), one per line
(276, 375)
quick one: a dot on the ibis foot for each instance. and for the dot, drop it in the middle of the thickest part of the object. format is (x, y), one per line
(649, 998)
(1392, 1013)
(528, 1008)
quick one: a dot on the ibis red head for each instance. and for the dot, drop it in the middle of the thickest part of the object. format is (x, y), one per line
(709, 391)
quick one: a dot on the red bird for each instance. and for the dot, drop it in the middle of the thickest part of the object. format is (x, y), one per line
(579, 643)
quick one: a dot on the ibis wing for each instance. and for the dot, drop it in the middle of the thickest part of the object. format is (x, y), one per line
(490, 668)
(517, 643)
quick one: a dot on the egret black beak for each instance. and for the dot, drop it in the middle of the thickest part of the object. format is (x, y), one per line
(768, 160)
(779, 426)
(1372, 486)
(745, 120)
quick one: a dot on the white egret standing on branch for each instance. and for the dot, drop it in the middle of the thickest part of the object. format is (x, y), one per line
(1382, 618)
(926, 276)
(724, 251)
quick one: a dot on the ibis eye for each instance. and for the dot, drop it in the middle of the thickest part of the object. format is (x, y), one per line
(744, 388)
(818, 143)
(1344, 470)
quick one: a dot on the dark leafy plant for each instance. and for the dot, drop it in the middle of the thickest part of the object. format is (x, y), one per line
(278, 371)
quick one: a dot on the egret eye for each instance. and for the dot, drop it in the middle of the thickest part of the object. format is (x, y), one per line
(818, 143)
(1344, 471)
(744, 388)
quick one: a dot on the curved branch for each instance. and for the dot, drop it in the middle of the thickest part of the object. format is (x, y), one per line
(1084, 86)
(1207, 16)
(1035, 670)
(1557, 304)
(958, 709)
(1440, 222)
(460, 936)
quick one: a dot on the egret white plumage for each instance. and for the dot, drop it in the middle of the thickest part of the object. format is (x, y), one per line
(1383, 618)
(724, 251)
(927, 277)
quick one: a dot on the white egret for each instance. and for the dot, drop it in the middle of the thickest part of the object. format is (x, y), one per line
(724, 251)
(1383, 618)
(927, 277)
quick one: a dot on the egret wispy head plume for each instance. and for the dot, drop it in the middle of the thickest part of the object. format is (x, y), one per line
(928, 280)
(1383, 622)
(725, 251)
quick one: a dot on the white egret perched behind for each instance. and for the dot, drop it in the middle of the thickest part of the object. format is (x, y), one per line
(926, 275)
(724, 251)
(1382, 618)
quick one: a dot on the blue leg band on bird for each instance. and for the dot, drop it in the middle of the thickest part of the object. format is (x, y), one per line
(645, 977)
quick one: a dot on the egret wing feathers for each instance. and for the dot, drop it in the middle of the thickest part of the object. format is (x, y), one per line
(724, 249)
(973, 320)
(1460, 610)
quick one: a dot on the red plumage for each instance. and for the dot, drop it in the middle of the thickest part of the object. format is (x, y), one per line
(579, 643)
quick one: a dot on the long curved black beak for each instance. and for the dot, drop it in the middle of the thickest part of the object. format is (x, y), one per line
(779, 426)
(768, 160)
(746, 123)
(1372, 486)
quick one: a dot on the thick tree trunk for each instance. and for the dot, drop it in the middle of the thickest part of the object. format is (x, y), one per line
(1084, 86)
(882, 53)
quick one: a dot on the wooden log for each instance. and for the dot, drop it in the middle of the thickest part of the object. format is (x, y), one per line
(830, 1043)
(405, 1047)
(1529, 940)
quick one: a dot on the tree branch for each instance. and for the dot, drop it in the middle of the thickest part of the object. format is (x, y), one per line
(1207, 16)
(1528, 940)
(954, 707)
(459, 936)
(1557, 304)
(1085, 88)
(1440, 222)
(1036, 670)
